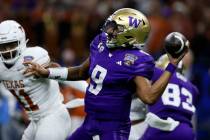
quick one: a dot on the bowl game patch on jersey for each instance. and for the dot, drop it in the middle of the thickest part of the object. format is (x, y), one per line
(28, 58)
(129, 59)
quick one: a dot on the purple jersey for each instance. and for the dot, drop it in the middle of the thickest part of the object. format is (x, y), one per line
(177, 100)
(108, 96)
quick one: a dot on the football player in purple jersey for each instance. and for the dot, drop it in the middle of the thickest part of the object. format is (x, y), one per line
(170, 117)
(117, 68)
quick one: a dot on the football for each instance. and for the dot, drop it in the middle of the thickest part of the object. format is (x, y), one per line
(175, 44)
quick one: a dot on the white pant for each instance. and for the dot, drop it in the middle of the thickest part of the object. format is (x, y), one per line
(137, 130)
(55, 126)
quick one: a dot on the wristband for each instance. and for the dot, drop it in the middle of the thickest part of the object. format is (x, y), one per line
(171, 68)
(58, 73)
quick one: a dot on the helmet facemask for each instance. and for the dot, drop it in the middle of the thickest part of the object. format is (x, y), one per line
(12, 41)
(112, 29)
(9, 52)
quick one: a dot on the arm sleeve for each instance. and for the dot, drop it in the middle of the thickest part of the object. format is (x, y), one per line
(157, 74)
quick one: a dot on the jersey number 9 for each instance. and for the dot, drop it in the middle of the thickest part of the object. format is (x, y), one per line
(98, 75)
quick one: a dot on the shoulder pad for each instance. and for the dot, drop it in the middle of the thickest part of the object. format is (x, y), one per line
(36, 54)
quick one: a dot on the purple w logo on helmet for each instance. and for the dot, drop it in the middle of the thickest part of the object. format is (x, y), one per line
(134, 22)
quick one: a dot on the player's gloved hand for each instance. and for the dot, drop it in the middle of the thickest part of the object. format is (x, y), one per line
(35, 69)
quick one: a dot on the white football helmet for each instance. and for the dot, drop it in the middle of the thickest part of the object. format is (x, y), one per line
(12, 41)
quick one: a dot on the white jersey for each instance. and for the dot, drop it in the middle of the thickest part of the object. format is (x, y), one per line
(37, 96)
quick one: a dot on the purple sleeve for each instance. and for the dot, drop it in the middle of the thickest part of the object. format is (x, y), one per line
(156, 75)
(94, 45)
(144, 67)
(99, 38)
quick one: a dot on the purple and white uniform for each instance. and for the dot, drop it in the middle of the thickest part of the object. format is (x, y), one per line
(108, 96)
(177, 102)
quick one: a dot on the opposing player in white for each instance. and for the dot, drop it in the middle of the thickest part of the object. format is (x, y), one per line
(40, 98)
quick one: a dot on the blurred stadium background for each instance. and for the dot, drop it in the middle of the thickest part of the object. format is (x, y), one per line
(66, 27)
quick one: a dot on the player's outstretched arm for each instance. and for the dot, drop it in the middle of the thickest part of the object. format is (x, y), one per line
(62, 73)
(150, 93)
(79, 72)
